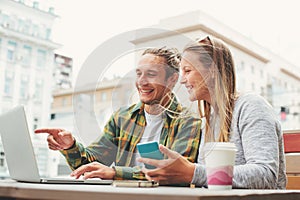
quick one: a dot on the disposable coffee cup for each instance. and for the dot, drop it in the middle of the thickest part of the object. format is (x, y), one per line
(219, 163)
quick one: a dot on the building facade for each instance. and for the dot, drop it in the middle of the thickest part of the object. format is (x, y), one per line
(26, 67)
(63, 72)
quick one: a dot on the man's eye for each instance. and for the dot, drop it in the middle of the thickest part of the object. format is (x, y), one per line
(151, 74)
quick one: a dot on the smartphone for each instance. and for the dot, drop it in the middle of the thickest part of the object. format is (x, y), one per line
(150, 150)
(134, 183)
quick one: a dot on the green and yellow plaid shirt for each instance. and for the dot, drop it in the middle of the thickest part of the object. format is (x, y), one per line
(124, 130)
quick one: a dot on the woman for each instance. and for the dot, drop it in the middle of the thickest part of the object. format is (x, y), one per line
(247, 120)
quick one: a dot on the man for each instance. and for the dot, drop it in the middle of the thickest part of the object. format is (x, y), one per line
(157, 117)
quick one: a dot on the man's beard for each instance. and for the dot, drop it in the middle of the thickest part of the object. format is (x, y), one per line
(151, 102)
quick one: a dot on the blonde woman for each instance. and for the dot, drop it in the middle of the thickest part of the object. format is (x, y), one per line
(247, 120)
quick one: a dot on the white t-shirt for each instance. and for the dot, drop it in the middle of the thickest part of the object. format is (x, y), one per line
(154, 125)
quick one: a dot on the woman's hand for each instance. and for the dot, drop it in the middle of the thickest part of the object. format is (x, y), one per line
(176, 169)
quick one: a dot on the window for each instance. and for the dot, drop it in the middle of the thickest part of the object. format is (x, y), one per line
(252, 69)
(51, 10)
(24, 87)
(41, 58)
(42, 33)
(35, 4)
(103, 96)
(11, 50)
(26, 27)
(35, 123)
(9, 83)
(279, 82)
(4, 20)
(52, 116)
(38, 90)
(35, 30)
(20, 25)
(261, 73)
(241, 67)
(2, 159)
(26, 57)
(48, 34)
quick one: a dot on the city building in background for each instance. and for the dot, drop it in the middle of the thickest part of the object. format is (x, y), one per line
(26, 68)
(62, 72)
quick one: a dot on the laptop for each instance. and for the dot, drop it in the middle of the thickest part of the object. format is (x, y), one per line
(19, 153)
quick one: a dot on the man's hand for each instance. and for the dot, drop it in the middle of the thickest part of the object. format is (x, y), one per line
(94, 170)
(175, 169)
(58, 139)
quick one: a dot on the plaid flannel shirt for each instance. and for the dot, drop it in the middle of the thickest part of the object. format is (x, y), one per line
(124, 130)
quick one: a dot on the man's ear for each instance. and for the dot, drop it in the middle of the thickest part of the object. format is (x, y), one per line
(172, 80)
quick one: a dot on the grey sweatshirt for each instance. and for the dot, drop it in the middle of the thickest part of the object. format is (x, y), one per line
(260, 161)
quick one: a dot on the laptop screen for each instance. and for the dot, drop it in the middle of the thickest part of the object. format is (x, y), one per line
(18, 149)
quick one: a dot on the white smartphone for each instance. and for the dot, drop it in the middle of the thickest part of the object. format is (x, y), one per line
(134, 183)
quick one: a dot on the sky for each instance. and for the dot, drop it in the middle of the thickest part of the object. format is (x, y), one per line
(83, 25)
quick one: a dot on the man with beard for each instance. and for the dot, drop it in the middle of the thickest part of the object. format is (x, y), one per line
(157, 117)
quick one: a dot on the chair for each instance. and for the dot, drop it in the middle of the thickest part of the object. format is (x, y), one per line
(291, 140)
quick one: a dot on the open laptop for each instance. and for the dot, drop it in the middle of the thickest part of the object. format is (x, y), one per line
(19, 153)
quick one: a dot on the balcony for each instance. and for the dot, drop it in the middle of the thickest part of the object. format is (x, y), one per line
(6, 31)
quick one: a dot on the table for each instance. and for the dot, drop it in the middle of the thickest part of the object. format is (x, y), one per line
(12, 190)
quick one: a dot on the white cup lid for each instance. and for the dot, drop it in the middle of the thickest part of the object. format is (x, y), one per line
(220, 146)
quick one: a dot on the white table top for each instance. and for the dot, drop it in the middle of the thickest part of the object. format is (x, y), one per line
(12, 189)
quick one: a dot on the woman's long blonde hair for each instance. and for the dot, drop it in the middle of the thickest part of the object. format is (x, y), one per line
(215, 56)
